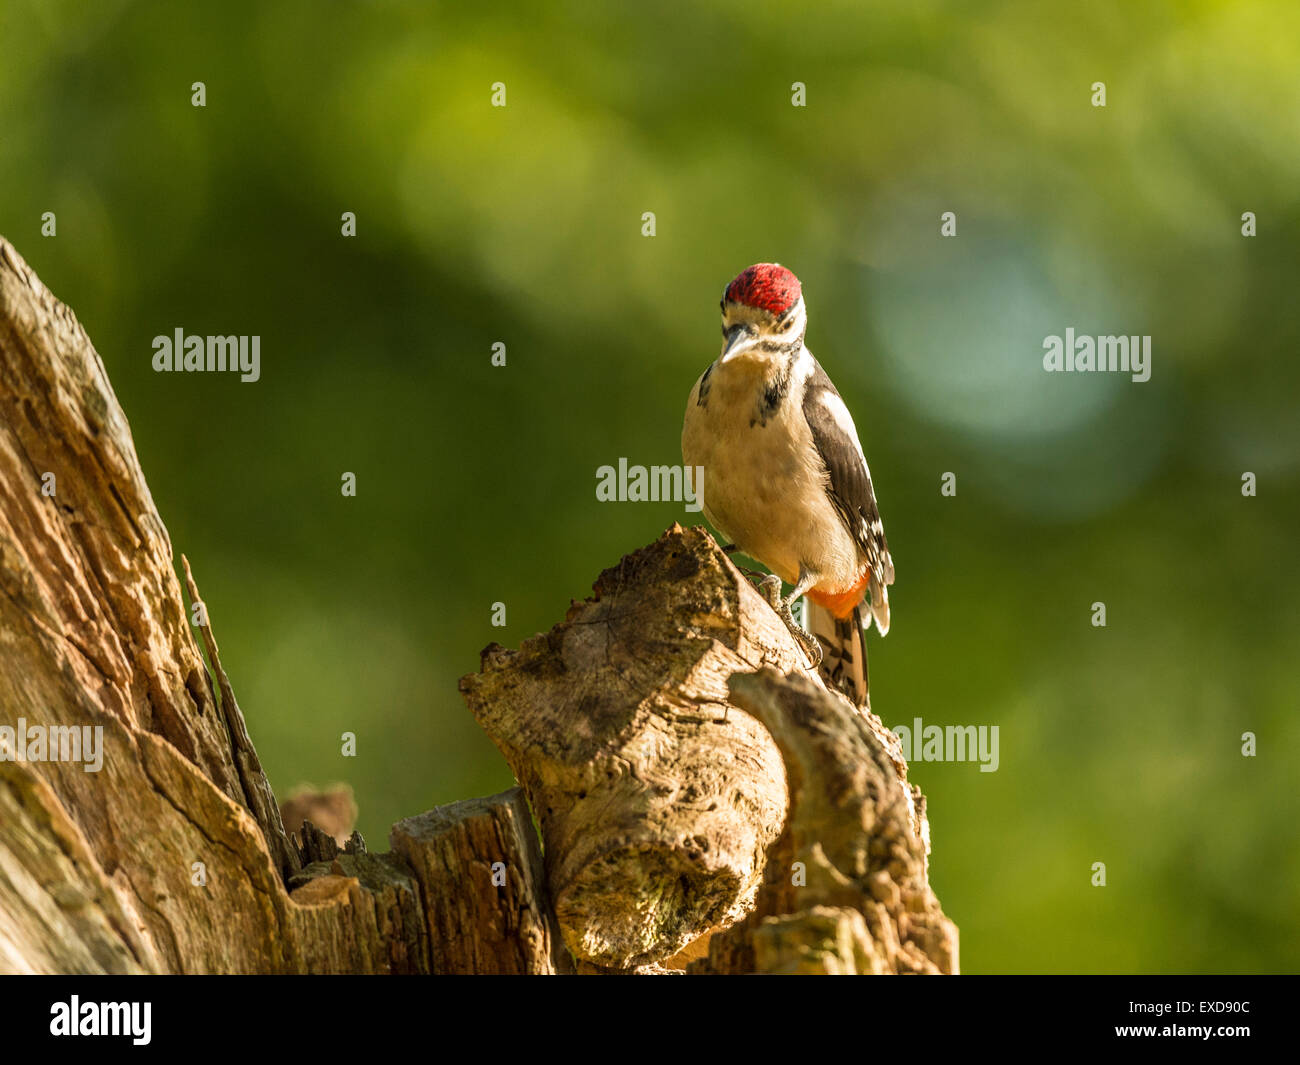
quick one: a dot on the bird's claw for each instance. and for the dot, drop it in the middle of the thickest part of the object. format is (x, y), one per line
(770, 588)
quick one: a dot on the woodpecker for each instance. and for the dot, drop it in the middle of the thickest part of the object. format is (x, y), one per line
(785, 479)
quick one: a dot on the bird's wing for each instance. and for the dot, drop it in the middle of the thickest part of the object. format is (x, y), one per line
(836, 438)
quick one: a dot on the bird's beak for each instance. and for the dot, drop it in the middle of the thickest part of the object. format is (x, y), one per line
(738, 339)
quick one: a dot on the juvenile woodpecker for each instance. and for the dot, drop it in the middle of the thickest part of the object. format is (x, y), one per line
(785, 478)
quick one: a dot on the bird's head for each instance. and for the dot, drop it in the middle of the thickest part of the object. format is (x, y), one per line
(763, 314)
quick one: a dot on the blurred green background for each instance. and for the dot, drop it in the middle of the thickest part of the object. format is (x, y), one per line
(523, 225)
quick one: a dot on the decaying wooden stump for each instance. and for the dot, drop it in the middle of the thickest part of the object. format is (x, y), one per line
(93, 633)
(170, 856)
(675, 786)
(658, 801)
(480, 867)
(846, 888)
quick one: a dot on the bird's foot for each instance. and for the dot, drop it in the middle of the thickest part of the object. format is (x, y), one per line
(810, 644)
(770, 588)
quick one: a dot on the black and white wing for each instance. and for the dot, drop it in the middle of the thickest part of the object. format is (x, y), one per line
(836, 439)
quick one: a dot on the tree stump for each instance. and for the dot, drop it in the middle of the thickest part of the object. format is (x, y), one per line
(658, 801)
(846, 889)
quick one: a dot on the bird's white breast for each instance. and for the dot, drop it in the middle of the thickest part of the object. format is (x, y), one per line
(765, 486)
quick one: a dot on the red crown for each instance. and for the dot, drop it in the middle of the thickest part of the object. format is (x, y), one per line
(767, 285)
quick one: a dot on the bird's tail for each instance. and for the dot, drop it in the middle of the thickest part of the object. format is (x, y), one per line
(844, 650)
(880, 598)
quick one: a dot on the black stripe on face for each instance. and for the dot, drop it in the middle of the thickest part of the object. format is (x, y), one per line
(780, 347)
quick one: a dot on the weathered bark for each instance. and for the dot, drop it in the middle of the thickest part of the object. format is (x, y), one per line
(171, 857)
(480, 867)
(657, 801)
(59, 912)
(93, 633)
(846, 888)
(663, 805)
